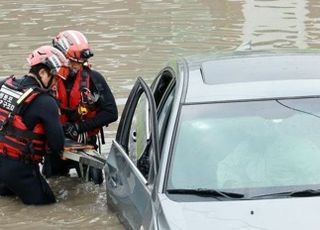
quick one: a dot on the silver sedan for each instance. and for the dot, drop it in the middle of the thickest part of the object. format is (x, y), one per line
(221, 142)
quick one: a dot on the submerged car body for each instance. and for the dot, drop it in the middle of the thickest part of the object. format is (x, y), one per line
(220, 142)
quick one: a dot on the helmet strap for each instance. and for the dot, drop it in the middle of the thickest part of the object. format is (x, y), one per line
(38, 79)
(72, 73)
(34, 72)
(50, 82)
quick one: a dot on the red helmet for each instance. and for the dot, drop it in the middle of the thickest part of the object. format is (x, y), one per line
(52, 58)
(74, 45)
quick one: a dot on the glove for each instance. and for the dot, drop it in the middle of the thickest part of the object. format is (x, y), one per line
(71, 131)
(83, 138)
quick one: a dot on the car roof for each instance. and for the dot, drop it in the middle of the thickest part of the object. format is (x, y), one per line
(252, 76)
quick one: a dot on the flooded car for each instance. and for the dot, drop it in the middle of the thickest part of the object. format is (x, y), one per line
(220, 142)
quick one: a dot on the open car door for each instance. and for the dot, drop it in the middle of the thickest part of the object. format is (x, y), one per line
(134, 157)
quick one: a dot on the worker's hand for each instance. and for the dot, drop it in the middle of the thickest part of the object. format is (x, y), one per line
(83, 138)
(71, 130)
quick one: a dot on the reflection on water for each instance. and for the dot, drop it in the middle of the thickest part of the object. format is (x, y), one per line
(130, 39)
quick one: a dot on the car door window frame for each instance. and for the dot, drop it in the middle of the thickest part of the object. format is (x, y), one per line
(123, 135)
(165, 78)
(169, 98)
(166, 81)
(168, 95)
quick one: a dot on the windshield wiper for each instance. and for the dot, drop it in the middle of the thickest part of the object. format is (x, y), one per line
(206, 193)
(299, 193)
(305, 193)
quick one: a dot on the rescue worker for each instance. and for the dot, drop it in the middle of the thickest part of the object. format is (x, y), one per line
(30, 127)
(86, 102)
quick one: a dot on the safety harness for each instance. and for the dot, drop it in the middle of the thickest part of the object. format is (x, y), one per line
(79, 103)
(16, 140)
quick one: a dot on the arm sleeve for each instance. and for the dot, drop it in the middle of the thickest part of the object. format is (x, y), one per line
(107, 111)
(45, 109)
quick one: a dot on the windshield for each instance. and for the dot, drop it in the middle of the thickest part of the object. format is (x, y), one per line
(247, 147)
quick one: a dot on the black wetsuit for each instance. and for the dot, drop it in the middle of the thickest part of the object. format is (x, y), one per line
(107, 108)
(24, 179)
(107, 113)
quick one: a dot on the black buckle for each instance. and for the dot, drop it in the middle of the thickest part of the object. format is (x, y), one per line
(4, 124)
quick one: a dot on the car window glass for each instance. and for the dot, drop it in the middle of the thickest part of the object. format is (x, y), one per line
(246, 146)
(139, 146)
(139, 130)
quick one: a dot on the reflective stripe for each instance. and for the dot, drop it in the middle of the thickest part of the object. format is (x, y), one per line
(13, 93)
(56, 64)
